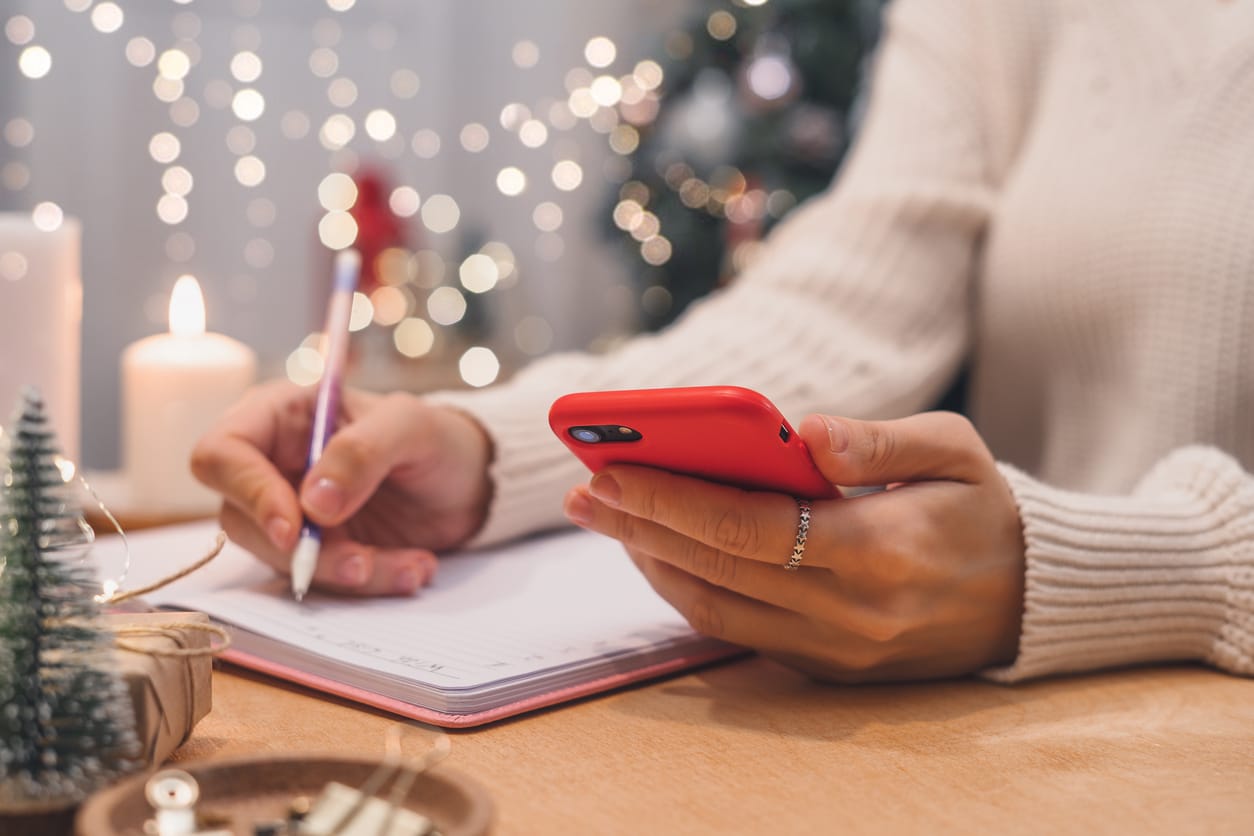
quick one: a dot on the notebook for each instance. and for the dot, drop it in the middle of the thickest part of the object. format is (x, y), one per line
(500, 631)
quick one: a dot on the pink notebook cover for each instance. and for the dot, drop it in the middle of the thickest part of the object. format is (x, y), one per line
(461, 721)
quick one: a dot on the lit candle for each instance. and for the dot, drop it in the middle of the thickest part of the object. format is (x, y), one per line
(175, 386)
(41, 311)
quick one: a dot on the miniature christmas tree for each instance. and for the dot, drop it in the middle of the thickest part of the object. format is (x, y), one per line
(66, 723)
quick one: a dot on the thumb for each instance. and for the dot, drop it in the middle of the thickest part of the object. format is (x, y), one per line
(923, 447)
(358, 457)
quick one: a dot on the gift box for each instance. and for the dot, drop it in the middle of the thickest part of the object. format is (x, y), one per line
(171, 694)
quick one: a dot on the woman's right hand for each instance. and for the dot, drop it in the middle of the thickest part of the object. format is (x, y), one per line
(399, 480)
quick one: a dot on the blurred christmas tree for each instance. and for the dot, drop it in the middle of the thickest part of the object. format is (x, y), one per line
(66, 724)
(749, 116)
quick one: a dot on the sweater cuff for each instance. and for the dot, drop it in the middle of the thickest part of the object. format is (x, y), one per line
(531, 469)
(1164, 574)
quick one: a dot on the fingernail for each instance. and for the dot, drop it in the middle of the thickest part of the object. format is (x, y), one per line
(837, 435)
(352, 570)
(324, 497)
(407, 580)
(606, 489)
(280, 532)
(578, 509)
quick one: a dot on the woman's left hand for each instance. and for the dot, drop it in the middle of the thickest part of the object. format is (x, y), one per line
(922, 580)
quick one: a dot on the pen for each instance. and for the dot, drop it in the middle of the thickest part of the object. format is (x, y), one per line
(347, 269)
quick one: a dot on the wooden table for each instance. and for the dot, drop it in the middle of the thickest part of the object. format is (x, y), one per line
(750, 747)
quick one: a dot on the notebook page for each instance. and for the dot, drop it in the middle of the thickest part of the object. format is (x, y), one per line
(490, 616)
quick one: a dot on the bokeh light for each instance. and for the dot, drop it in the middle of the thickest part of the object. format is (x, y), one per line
(19, 132)
(13, 266)
(20, 30)
(337, 230)
(241, 140)
(600, 52)
(391, 305)
(413, 337)
(337, 192)
(140, 52)
(425, 144)
(246, 67)
(174, 64)
(324, 62)
(177, 180)
(511, 181)
(525, 54)
(337, 131)
(479, 366)
(34, 62)
(294, 124)
(404, 83)
(567, 175)
(172, 209)
(441, 213)
(342, 92)
(107, 17)
(250, 171)
(248, 104)
(547, 217)
(380, 125)
(446, 306)
(304, 366)
(474, 137)
(362, 313)
(478, 273)
(164, 147)
(404, 201)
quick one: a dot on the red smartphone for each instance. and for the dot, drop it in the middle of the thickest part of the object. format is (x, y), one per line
(725, 434)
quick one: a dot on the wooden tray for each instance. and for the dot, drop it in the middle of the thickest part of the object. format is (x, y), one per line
(257, 789)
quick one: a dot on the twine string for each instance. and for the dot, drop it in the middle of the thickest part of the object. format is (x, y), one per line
(166, 628)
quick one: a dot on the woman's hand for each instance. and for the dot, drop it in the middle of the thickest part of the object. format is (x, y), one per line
(399, 480)
(922, 580)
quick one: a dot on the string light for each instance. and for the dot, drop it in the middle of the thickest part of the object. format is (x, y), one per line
(600, 52)
(34, 62)
(479, 366)
(413, 337)
(446, 306)
(478, 273)
(404, 201)
(404, 84)
(441, 213)
(107, 17)
(20, 30)
(511, 181)
(380, 125)
(612, 103)
(525, 54)
(474, 137)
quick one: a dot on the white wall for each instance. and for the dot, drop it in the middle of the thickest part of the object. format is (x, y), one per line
(94, 113)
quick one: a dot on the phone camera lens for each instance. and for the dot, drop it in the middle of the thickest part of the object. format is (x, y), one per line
(586, 434)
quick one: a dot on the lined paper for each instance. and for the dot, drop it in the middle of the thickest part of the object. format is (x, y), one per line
(561, 603)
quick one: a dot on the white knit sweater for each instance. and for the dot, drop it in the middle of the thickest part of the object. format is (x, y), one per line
(1063, 192)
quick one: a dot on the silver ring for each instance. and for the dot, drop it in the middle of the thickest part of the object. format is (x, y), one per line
(803, 529)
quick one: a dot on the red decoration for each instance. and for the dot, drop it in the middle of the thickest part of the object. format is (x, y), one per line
(378, 227)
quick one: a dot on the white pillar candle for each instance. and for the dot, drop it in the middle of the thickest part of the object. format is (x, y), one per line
(41, 312)
(175, 386)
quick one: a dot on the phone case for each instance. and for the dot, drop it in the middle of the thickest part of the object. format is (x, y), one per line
(725, 434)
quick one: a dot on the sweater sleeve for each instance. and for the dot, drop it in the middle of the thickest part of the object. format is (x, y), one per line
(1163, 574)
(858, 303)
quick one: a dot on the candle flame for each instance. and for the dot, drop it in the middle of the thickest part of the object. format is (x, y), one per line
(187, 308)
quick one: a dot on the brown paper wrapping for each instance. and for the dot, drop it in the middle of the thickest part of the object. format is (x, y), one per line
(171, 694)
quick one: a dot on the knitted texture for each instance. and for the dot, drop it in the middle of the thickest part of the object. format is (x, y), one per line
(1064, 194)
